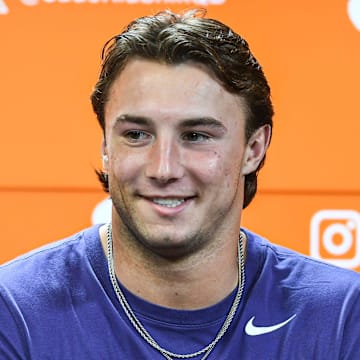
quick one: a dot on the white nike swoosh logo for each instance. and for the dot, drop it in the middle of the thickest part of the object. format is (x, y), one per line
(254, 330)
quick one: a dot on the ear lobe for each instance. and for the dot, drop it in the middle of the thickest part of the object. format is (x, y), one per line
(105, 157)
(256, 149)
(105, 160)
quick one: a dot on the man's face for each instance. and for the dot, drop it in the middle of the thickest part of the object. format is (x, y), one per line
(177, 156)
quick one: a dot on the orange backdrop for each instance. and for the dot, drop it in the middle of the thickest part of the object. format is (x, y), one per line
(50, 141)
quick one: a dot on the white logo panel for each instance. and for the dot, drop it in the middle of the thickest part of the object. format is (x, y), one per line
(102, 212)
(353, 9)
(335, 237)
(3, 8)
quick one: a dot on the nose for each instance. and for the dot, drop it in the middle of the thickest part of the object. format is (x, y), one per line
(164, 160)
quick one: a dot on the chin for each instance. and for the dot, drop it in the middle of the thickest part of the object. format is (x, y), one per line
(174, 248)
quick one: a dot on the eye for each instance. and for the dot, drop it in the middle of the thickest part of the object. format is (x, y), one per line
(135, 136)
(193, 136)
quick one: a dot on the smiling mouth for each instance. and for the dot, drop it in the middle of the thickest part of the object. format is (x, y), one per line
(170, 203)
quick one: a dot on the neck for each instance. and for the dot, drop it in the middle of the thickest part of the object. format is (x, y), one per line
(175, 283)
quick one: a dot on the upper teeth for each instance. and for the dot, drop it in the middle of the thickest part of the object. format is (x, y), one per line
(169, 202)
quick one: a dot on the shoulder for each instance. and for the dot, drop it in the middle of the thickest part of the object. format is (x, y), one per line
(322, 300)
(298, 271)
(42, 291)
(47, 267)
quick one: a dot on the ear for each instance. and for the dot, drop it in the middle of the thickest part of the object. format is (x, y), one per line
(105, 158)
(256, 148)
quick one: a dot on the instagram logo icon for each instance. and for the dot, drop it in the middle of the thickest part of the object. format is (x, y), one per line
(335, 237)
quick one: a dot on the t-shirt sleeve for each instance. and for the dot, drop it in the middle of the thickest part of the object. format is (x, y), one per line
(12, 329)
(351, 337)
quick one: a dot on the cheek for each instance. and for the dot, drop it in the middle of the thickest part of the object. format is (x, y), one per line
(214, 163)
(125, 167)
(220, 170)
(213, 166)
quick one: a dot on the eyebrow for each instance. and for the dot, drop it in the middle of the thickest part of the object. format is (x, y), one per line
(135, 119)
(202, 121)
(207, 121)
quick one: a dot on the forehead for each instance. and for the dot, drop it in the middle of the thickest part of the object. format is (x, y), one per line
(158, 90)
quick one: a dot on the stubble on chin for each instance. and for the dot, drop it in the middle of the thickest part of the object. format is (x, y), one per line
(139, 238)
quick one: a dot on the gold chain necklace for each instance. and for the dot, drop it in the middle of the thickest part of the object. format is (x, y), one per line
(144, 333)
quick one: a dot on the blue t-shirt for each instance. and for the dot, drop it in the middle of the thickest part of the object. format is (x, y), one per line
(57, 303)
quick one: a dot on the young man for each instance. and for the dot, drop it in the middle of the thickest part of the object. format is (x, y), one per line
(186, 115)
